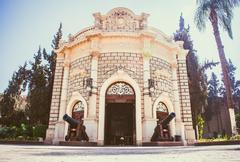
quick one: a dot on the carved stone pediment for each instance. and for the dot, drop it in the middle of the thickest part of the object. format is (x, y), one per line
(120, 19)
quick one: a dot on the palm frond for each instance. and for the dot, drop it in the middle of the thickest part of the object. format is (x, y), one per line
(225, 15)
(202, 14)
(208, 65)
(233, 3)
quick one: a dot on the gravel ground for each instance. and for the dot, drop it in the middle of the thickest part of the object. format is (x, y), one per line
(27, 153)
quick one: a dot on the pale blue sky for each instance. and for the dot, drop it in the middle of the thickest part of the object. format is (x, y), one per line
(26, 24)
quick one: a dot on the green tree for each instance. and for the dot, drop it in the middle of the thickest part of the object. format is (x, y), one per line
(214, 101)
(37, 104)
(8, 104)
(236, 88)
(213, 86)
(219, 13)
(196, 72)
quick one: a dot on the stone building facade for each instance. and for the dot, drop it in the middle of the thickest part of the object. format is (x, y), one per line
(122, 67)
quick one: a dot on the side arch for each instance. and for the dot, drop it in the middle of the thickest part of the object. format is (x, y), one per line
(166, 100)
(119, 76)
(76, 96)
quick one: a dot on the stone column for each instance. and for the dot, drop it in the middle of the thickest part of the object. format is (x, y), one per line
(55, 103)
(185, 105)
(179, 125)
(60, 125)
(149, 123)
(91, 120)
(232, 121)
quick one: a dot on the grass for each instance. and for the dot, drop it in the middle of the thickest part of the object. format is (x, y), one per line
(219, 139)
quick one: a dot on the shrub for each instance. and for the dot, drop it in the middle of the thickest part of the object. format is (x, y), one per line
(200, 123)
(237, 137)
(4, 132)
(26, 130)
(39, 130)
(238, 120)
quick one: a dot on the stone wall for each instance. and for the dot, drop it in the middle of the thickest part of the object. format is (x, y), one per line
(109, 63)
(161, 72)
(56, 94)
(80, 70)
(184, 93)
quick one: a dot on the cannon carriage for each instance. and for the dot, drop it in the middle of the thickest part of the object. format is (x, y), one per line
(159, 131)
(76, 130)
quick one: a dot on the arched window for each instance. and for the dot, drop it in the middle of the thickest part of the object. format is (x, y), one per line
(78, 110)
(162, 111)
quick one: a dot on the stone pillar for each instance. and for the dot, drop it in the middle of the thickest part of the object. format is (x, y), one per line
(91, 120)
(232, 121)
(178, 124)
(185, 96)
(55, 102)
(60, 125)
(149, 123)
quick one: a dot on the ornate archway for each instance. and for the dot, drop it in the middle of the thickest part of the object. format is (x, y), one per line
(120, 76)
(120, 115)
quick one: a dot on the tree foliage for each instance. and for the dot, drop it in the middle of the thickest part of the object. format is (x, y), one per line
(38, 79)
(11, 96)
(41, 82)
(219, 13)
(37, 105)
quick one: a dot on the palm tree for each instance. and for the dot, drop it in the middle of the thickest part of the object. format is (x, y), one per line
(219, 13)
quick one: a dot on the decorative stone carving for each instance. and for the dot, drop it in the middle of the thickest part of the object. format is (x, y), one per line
(120, 88)
(78, 106)
(70, 38)
(161, 107)
(120, 19)
(95, 54)
(147, 55)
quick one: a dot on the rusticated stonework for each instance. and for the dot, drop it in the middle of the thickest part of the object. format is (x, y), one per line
(110, 63)
(161, 72)
(79, 71)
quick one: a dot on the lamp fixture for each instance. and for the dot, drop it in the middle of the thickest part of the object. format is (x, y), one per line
(151, 86)
(88, 84)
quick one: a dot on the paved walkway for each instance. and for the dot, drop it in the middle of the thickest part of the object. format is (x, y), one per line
(24, 153)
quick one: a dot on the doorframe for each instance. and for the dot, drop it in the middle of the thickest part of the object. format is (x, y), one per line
(132, 107)
(120, 76)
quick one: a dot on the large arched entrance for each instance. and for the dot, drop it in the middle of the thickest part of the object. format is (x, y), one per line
(120, 115)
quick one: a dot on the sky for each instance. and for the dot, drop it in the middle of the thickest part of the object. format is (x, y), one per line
(27, 24)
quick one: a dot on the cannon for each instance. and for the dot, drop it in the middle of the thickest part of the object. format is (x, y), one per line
(76, 130)
(158, 134)
(166, 120)
(71, 121)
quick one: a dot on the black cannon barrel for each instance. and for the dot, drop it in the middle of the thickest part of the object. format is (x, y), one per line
(71, 121)
(166, 120)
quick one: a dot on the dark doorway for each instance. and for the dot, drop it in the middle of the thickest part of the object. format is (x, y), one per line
(120, 124)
